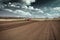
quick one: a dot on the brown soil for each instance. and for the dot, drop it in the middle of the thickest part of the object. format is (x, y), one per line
(40, 30)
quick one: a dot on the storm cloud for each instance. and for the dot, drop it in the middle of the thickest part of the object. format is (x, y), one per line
(32, 8)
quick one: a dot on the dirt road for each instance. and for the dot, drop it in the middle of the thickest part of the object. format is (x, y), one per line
(42, 30)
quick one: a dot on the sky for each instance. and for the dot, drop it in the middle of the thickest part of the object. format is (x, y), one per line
(30, 8)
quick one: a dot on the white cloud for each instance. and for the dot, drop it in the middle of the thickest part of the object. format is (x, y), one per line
(24, 6)
(22, 13)
(37, 13)
(28, 2)
(57, 8)
(31, 8)
(9, 10)
(13, 5)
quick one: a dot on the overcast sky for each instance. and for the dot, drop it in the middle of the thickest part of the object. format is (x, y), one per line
(35, 3)
(30, 8)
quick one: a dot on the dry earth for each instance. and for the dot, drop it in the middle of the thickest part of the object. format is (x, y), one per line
(32, 30)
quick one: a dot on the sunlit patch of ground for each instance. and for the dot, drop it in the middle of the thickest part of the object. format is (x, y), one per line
(44, 19)
(11, 19)
(32, 19)
(3, 21)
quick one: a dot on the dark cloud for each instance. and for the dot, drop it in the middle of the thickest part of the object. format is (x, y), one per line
(7, 1)
(40, 3)
(25, 8)
(37, 3)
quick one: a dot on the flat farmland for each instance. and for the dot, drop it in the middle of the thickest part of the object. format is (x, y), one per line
(30, 30)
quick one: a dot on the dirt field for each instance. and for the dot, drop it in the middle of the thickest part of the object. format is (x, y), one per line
(32, 30)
